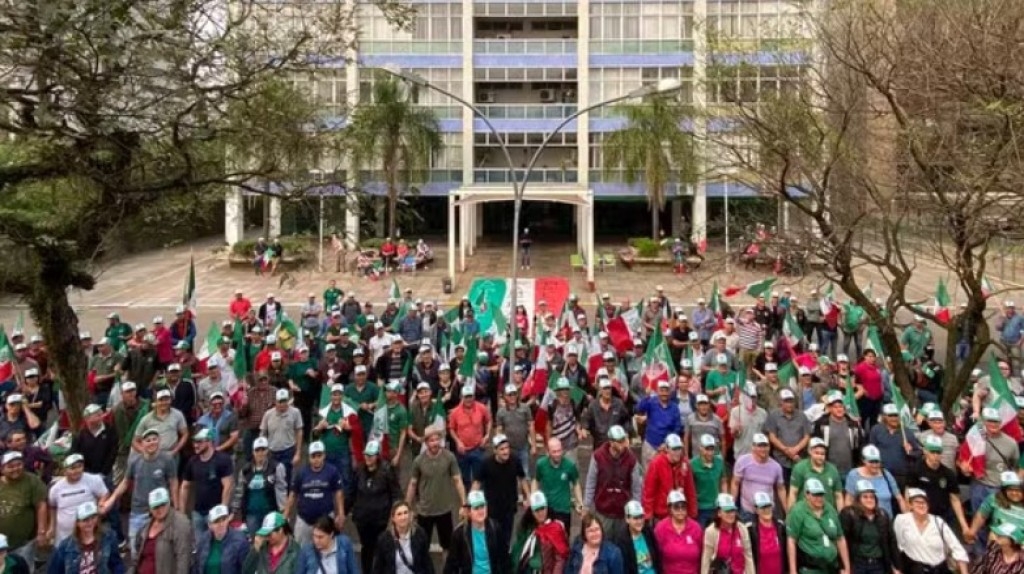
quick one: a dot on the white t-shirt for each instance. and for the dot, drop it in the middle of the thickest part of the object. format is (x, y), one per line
(379, 344)
(66, 498)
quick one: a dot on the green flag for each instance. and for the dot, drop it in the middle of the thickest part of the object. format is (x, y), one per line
(240, 365)
(850, 398)
(942, 299)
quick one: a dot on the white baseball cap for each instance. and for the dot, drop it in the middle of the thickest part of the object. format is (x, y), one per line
(217, 512)
(260, 442)
(282, 395)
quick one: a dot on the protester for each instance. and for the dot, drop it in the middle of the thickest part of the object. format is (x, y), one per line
(636, 541)
(402, 542)
(327, 547)
(477, 540)
(591, 552)
(221, 549)
(542, 543)
(926, 540)
(89, 548)
(164, 542)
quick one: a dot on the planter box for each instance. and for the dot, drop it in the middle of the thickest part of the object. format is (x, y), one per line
(287, 262)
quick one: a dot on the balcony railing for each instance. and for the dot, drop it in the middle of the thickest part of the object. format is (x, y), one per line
(410, 47)
(499, 175)
(524, 46)
(528, 111)
(640, 46)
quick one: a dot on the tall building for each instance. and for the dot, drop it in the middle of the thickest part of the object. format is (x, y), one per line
(529, 64)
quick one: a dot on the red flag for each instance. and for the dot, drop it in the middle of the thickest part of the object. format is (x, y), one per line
(619, 334)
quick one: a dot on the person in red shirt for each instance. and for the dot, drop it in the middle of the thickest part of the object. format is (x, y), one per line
(867, 377)
(387, 253)
(164, 344)
(470, 425)
(239, 306)
(668, 471)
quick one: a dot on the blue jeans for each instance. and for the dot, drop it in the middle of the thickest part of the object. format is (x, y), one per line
(252, 524)
(705, 516)
(113, 518)
(199, 525)
(963, 348)
(469, 465)
(979, 492)
(746, 516)
(523, 456)
(343, 462)
(284, 457)
(136, 520)
(854, 338)
(827, 343)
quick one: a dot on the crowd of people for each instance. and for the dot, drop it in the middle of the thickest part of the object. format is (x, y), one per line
(414, 422)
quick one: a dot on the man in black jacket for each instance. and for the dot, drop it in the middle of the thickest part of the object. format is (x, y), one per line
(460, 558)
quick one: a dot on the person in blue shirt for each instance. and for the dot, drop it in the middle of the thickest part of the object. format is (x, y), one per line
(660, 412)
(1010, 326)
(316, 491)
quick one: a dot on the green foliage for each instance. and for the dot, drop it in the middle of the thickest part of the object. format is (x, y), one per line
(394, 137)
(294, 246)
(372, 243)
(653, 148)
(645, 246)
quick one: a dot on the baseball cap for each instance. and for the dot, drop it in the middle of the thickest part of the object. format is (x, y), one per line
(634, 509)
(173, 367)
(73, 459)
(360, 369)
(128, 386)
(841, 358)
(816, 442)
(616, 433)
(476, 499)
(673, 442)
(763, 500)
(14, 399)
(865, 486)
(814, 486)
(394, 386)
(372, 448)
(721, 359)
(339, 388)
(468, 391)
(771, 367)
(933, 443)
(760, 439)
(725, 502)
(804, 371)
(702, 399)
(990, 414)
(260, 442)
(316, 447)
(871, 453)
(271, 522)
(608, 355)
(159, 497)
(498, 439)
(936, 414)
(281, 395)
(150, 432)
(786, 395)
(31, 372)
(707, 441)
(663, 384)
(913, 493)
(86, 510)
(202, 435)
(423, 386)
(676, 497)
(92, 409)
(1010, 531)
(538, 500)
(10, 456)
(1009, 478)
(890, 409)
(562, 384)
(606, 383)
(686, 364)
(163, 394)
(217, 512)
(834, 397)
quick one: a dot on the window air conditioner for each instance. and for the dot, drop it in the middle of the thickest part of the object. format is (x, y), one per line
(486, 97)
(547, 96)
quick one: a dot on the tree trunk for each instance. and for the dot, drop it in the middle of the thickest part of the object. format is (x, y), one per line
(655, 222)
(379, 207)
(392, 206)
(52, 312)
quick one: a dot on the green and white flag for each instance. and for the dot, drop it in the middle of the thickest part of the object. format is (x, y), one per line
(791, 329)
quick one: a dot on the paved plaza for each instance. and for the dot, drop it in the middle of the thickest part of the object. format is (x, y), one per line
(147, 284)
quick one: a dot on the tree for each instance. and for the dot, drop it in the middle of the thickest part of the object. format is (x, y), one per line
(392, 132)
(653, 148)
(121, 114)
(903, 136)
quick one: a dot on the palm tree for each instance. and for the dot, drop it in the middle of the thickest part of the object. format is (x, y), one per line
(392, 132)
(654, 148)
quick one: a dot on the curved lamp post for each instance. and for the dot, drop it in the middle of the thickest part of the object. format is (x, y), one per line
(666, 85)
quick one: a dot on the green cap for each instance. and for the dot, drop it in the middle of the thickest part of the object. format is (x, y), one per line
(271, 522)
(476, 499)
(933, 443)
(562, 384)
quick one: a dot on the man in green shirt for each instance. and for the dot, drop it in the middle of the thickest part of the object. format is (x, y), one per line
(364, 394)
(916, 338)
(398, 430)
(815, 537)
(334, 429)
(332, 295)
(708, 479)
(117, 333)
(104, 364)
(721, 382)
(559, 479)
(302, 379)
(23, 511)
(816, 466)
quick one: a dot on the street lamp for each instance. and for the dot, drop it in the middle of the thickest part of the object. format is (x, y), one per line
(664, 86)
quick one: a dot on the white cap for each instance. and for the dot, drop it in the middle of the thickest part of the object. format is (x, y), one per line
(601, 335)
(159, 497)
(721, 359)
(10, 456)
(990, 414)
(672, 441)
(468, 391)
(173, 367)
(424, 386)
(707, 440)
(163, 394)
(217, 512)
(871, 453)
(786, 395)
(316, 447)
(686, 364)
(702, 399)
(913, 493)
(73, 459)
(14, 399)
(538, 501)
(20, 347)
(816, 442)
(634, 509)
(771, 367)
(372, 448)
(812, 347)
(763, 500)
(128, 386)
(360, 369)
(865, 486)
(617, 433)
(86, 510)
(337, 388)
(841, 358)
(1009, 478)
(890, 409)
(606, 383)
(805, 371)
(498, 439)
(281, 395)
(676, 497)
(260, 442)
(760, 438)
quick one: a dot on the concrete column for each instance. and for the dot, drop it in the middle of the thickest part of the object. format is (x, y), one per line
(463, 233)
(591, 255)
(471, 229)
(699, 216)
(451, 237)
(579, 218)
(676, 207)
(352, 100)
(583, 97)
(275, 217)
(234, 216)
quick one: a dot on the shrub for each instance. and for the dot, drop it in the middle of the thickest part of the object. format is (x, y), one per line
(372, 243)
(645, 247)
(294, 246)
